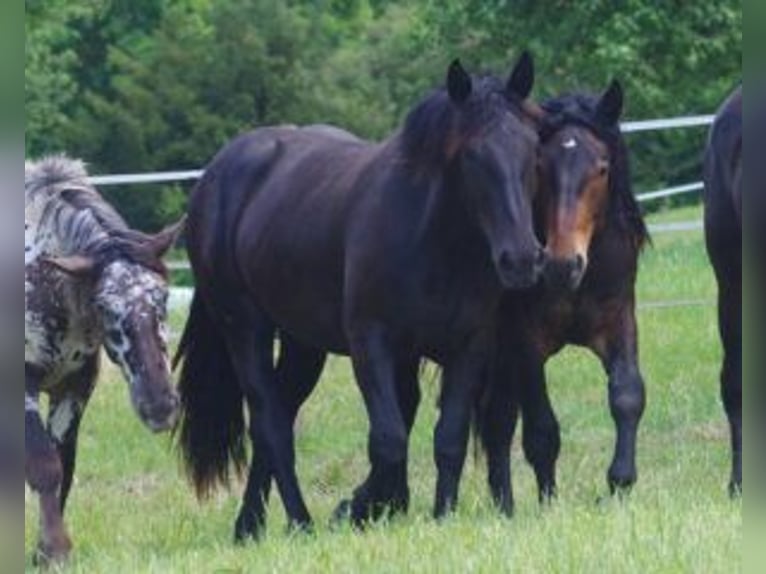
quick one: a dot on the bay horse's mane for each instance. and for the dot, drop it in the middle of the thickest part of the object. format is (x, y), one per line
(81, 218)
(581, 109)
(436, 128)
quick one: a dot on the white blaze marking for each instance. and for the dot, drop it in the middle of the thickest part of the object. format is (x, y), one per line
(62, 418)
(571, 143)
(31, 404)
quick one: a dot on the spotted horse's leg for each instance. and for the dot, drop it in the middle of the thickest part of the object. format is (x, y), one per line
(44, 474)
(66, 410)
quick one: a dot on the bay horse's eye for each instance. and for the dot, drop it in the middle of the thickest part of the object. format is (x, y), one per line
(603, 167)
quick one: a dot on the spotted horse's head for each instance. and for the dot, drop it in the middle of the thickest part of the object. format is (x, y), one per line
(130, 295)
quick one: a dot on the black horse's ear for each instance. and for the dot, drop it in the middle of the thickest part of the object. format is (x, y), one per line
(459, 83)
(522, 77)
(609, 107)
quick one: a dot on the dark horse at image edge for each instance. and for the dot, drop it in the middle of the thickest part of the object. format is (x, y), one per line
(388, 252)
(723, 238)
(594, 233)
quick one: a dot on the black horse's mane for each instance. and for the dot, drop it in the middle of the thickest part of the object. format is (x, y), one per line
(436, 127)
(581, 109)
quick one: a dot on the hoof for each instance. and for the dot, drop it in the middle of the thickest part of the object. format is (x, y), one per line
(249, 527)
(735, 490)
(341, 514)
(52, 553)
(300, 528)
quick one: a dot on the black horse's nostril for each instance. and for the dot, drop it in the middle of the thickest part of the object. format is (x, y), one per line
(505, 261)
(540, 259)
(579, 263)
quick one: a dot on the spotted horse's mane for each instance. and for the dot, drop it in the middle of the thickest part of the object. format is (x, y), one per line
(82, 220)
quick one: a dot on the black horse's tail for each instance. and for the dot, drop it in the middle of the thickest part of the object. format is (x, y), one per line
(211, 429)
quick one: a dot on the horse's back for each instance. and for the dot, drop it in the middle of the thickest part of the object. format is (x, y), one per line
(269, 218)
(723, 165)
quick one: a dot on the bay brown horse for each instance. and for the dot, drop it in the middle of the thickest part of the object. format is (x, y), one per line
(723, 238)
(594, 233)
(388, 252)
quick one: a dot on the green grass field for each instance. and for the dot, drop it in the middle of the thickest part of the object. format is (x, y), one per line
(131, 510)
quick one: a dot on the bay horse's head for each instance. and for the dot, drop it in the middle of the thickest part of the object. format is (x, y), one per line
(482, 130)
(576, 167)
(130, 293)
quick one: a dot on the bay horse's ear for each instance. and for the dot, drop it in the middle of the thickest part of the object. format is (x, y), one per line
(609, 107)
(78, 266)
(459, 84)
(165, 239)
(522, 77)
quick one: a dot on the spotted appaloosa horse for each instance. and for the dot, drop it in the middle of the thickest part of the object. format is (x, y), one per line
(723, 235)
(89, 281)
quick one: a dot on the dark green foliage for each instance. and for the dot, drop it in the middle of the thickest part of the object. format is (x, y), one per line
(161, 84)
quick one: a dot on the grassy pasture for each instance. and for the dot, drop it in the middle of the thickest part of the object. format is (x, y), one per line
(131, 510)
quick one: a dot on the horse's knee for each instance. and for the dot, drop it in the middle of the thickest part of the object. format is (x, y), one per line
(628, 399)
(731, 387)
(43, 467)
(389, 448)
(542, 441)
(44, 470)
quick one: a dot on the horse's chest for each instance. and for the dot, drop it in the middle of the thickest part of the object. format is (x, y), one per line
(453, 310)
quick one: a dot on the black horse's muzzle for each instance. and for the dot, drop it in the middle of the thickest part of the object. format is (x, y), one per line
(521, 272)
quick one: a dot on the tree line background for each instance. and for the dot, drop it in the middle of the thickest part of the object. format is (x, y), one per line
(144, 85)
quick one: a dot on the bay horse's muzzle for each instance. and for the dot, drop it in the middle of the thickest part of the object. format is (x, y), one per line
(565, 274)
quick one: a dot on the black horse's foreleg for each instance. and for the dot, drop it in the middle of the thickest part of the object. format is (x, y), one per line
(408, 393)
(730, 326)
(541, 436)
(461, 381)
(375, 367)
(626, 399)
(497, 425)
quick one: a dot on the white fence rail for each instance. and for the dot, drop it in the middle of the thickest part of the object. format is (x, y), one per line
(627, 127)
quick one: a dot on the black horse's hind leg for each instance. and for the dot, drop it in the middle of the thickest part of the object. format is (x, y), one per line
(251, 349)
(626, 399)
(541, 437)
(298, 371)
(376, 369)
(730, 324)
(461, 380)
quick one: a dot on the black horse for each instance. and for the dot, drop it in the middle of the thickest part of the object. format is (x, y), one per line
(388, 252)
(723, 235)
(594, 233)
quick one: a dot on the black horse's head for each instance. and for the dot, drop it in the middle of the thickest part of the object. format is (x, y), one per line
(481, 128)
(579, 158)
